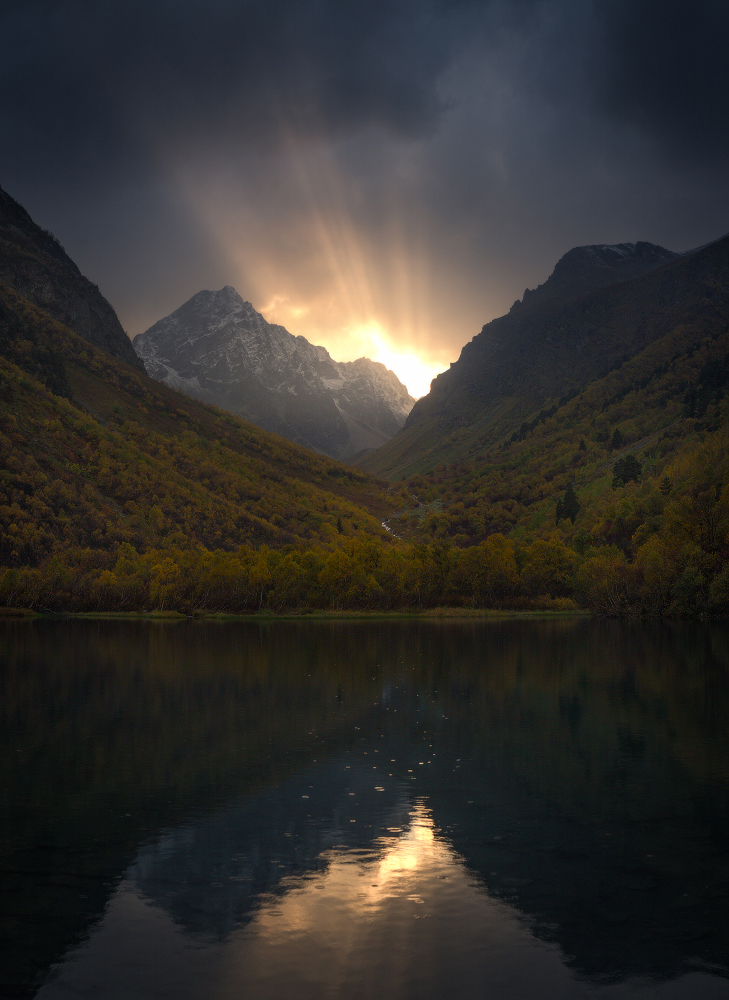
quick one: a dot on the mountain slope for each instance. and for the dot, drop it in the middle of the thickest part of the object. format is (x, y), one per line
(550, 345)
(35, 265)
(584, 269)
(617, 496)
(217, 348)
(123, 459)
(128, 495)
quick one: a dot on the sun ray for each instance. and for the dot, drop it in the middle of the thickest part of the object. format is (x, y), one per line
(356, 289)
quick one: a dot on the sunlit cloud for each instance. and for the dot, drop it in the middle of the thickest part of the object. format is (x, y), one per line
(347, 266)
(414, 164)
(279, 309)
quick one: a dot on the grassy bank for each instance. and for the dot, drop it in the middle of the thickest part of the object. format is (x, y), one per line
(429, 614)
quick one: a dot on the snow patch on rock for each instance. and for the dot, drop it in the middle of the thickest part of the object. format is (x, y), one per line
(217, 348)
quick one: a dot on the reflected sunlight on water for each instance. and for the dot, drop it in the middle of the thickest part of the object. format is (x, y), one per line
(404, 919)
(367, 811)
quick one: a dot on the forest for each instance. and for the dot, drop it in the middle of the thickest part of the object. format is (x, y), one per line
(119, 494)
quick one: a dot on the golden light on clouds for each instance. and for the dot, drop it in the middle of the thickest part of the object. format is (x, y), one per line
(349, 269)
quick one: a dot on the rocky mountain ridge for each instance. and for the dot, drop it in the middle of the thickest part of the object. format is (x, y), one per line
(584, 269)
(34, 264)
(219, 349)
(554, 343)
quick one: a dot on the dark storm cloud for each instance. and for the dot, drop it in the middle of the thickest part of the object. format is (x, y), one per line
(303, 148)
(85, 77)
(81, 79)
(664, 66)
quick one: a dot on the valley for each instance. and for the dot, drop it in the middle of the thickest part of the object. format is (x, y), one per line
(575, 456)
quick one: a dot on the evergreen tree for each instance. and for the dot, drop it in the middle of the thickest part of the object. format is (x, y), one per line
(568, 505)
(627, 469)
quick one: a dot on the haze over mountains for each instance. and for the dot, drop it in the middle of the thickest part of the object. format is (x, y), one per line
(217, 348)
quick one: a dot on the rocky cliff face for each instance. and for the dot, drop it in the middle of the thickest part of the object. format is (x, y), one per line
(600, 305)
(35, 265)
(590, 312)
(217, 348)
(583, 269)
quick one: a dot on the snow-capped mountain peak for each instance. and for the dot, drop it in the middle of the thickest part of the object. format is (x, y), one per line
(218, 348)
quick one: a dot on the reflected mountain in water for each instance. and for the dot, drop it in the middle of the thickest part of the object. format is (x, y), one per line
(577, 771)
(623, 896)
(210, 875)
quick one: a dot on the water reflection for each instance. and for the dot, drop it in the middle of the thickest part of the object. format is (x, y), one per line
(404, 918)
(497, 809)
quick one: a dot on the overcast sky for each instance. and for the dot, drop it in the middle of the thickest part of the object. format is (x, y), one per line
(381, 177)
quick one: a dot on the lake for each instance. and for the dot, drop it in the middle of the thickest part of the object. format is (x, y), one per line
(366, 809)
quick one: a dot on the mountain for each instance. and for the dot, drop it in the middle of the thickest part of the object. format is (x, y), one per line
(616, 495)
(118, 492)
(34, 264)
(583, 269)
(554, 342)
(217, 348)
(116, 458)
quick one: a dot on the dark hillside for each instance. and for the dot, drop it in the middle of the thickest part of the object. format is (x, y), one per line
(547, 348)
(118, 492)
(34, 263)
(584, 269)
(95, 454)
(617, 496)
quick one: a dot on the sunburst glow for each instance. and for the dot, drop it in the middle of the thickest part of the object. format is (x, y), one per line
(412, 371)
(333, 263)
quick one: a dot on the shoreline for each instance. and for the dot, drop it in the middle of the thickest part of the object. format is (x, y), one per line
(430, 614)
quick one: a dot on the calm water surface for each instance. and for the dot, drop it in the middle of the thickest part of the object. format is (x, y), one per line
(365, 810)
